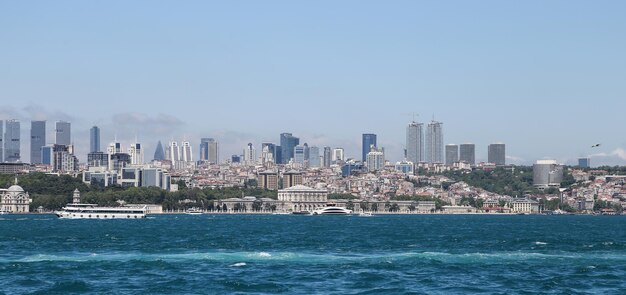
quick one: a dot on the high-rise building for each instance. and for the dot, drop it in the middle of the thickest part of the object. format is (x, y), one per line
(94, 139)
(415, 142)
(249, 155)
(268, 153)
(63, 133)
(136, 154)
(268, 180)
(187, 154)
(338, 155)
(452, 154)
(314, 157)
(328, 159)
(292, 178)
(37, 140)
(287, 144)
(204, 149)
(547, 173)
(98, 159)
(496, 154)
(299, 154)
(12, 142)
(467, 153)
(47, 154)
(375, 159)
(208, 150)
(114, 148)
(159, 154)
(306, 152)
(173, 152)
(63, 159)
(434, 142)
(1, 141)
(214, 156)
(368, 141)
(584, 162)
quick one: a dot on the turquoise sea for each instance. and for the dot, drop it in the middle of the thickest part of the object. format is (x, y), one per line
(226, 254)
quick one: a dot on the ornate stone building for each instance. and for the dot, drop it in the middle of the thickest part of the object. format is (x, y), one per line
(14, 199)
(300, 197)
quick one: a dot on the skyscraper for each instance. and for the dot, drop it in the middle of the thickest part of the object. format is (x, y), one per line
(187, 152)
(415, 142)
(306, 152)
(496, 154)
(94, 139)
(369, 141)
(47, 154)
(287, 144)
(159, 154)
(298, 154)
(63, 133)
(214, 156)
(434, 142)
(268, 153)
(12, 141)
(547, 173)
(584, 162)
(204, 149)
(249, 155)
(467, 153)
(338, 155)
(328, 159)
(375, 159)
(173, 152)
(452, 154)
(37, 140)
(136, 154)
(314, 156)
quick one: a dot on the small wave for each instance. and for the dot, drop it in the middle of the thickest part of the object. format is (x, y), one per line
(541, 243)
(238, 264)
(309, 258)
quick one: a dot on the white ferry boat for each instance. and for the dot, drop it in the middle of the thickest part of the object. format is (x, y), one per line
(332, 209)
(93, 211)
(78, 210)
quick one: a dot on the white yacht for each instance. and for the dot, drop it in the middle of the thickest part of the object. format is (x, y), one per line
(193, 211)
(78, 210)
(332, 209)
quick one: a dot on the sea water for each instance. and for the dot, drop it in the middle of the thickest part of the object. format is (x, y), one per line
(393, 254)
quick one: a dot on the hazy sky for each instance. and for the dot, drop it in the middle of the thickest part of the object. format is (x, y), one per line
(548, 78)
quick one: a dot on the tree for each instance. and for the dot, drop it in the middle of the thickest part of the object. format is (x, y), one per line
(394, 208)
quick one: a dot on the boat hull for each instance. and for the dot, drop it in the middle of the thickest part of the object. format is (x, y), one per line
(80, 215)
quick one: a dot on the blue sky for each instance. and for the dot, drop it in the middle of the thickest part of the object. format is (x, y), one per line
(545, 77)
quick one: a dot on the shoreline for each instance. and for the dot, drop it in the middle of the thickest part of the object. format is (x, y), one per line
(354, 214)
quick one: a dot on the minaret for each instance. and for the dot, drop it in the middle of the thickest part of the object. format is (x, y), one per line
(76, 198)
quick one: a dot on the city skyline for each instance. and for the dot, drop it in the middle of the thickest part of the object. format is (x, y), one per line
(542, 81)
(480, 154)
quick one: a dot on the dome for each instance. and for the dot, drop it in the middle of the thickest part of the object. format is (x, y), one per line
(15, 189)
